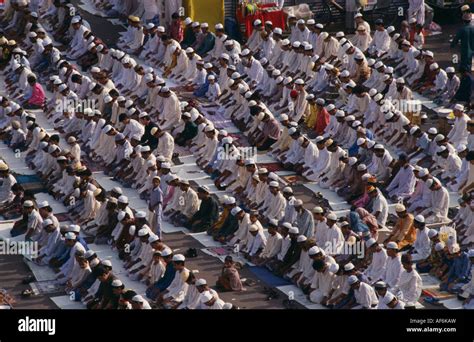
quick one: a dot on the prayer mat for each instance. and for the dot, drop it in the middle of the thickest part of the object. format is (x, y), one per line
(294, 179)
(435, 292)
(46, 287)
(182, 150)
(31, 183)
(271, 167)
(268, 277)
(63, 217)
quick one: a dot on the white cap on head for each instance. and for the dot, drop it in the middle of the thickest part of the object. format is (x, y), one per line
(352, 280)
(314, 250)
(392, 245)
(179, 257)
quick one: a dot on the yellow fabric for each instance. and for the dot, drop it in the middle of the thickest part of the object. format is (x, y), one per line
(312, 117)
(205, 11)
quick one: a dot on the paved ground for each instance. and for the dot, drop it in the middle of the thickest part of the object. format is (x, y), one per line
(13, 269)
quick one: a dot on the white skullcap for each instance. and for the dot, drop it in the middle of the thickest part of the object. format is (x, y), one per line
(332, 216)
(179, 257)
(293, 230)
(392, 245)
(314, 250)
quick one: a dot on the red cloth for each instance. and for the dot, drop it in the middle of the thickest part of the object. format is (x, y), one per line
(37, 95)
(322, 120)
(276, 17)
(176, 30)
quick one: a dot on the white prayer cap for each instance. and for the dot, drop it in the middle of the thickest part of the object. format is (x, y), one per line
(225, 56)
(400, 80)
(440, 245)
(459, 107)
(301, 238)
(360, 141)
(388, 298)
(340, 34)
(201, 282)
(441, 149)
(204, 25)
(349, 266)
(245, 52)
(179, 257)
(107, 99)
(117, 283)
(423, 172)
(28, 204)
(274, 184)
(392, 245)
(43, 204)
(389, 70)
(89, 253)
(219, 26)
(47, 41)
(278, 31)
(300, 22)
(123, 199)
(308, 47)
(461, 148)
(439, 138)
(296, 44)
(287, 190)
(450, 70)
(428, 53)
(298, 203)
(211, 77)
(432, 130)
(138, 299)
(414, 129)
(292, 131)
(273, 222)
(352, 160)
(314, 250)
(390, 29)
(257, 22)
(356, 123)
(205, 297)
(352, 280)
(340, 114)
(70, 236)
(294, 230)
(229, 200)
(370, 242)
(161, 29)
(332, 216)
(386, 77)
(153, 238)
(389, 115)
(47, 222)
(420, 218)
(319, 26)
(361, 167)
(434, 66)
(357, 15)
(62, 87)
(166, 252)
(236, 210)
(470, 253)
(253, 228)
(188, 21)
(75, 19)
(400, 208)
(273, 176)
(330, 107)
(412, 20)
